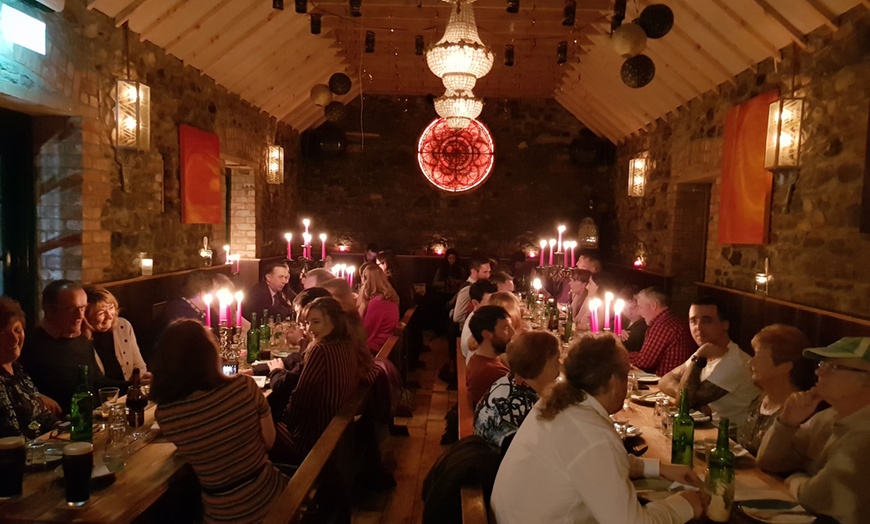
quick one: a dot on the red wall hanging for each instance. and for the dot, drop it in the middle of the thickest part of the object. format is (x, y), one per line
(456, 160)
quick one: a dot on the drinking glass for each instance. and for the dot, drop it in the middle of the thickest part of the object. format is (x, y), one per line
(632, 386)
(660, 411)
(108, 396)
(35, 452)
(78, 464)
(668, 420)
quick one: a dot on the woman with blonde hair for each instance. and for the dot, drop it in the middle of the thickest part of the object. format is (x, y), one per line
(113, 337)
(511, 304)
(378, 306)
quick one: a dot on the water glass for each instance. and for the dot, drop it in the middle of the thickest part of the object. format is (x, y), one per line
(668, 421)
(108, 396)
(35, 453)
(661, 408)
(632, 387)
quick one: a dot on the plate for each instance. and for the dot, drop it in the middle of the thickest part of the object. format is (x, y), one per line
(775, 511)
(648, 379)
(655, 488)
(697, 416)
(648, 399)
(702, 447)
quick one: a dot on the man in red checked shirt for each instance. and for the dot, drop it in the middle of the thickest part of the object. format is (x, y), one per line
(668, 342)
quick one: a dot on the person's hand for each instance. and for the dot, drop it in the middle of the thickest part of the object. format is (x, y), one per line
(678, 473)
(623, 335)
(709, 350)
(248, 371)
(146, 378)
(699, 501)
(275, 363)
(799, 407)
(293, 336)
(51, 405)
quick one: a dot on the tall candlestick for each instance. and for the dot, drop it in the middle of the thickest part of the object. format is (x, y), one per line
(618, 306)
(227, 250)
(543, 245)
(573, 245)
(552, 245)
(239, 297)
(594, 305)
(207, 299)
(289, 238)
(350, 271)
(561, 230)
(608, 298)
(323, 246)
(225, 300)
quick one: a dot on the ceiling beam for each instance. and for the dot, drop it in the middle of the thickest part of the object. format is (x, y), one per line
(587, 116)
(710, 28)
(146, 33)
(221, 38)
(195, 26)
(318, 59)
(772, 49)
(793, 32)
(242, 43)
(127, 12)
(828, 18)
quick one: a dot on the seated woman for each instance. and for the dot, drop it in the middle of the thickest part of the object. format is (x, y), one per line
(577, 283)
(599, 285)
(329, 377)
(378, 306)
(210, 418)
(23, 411)
(388, 264)
(778, 369)
(113, 337)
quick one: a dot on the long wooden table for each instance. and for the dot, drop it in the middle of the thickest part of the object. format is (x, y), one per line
(148, 475)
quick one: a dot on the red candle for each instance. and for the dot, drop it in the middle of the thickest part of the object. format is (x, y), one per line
(239, 297)
(543, 245)
(572, 253)
(594, 305)
(289, 237)
(323, 246)
(207, 299)
(552, 245)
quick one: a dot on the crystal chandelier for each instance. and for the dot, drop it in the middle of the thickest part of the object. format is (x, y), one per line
(460, 58)
(459, 109)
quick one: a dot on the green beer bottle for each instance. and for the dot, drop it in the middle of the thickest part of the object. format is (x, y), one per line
(683, 438)
(265, 332)
(253, 340)
(720, 477)
(82, 410)
(569, 328)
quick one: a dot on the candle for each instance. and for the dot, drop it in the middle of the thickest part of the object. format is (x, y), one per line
(561, 229)
(147, 265)
(227, 249)
(594, 304)
(536, 283)
(289, 237)
(573, 245)
(239, 297)
(323, 246)
(618, 306)
(552, 245)
(207, 299)
(543, 245)
(222, 307)
(608, 299)
(306, 223)
(350, 271)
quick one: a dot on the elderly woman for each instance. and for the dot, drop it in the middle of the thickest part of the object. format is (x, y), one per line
(778, 369)
(114, 340)
(23, 411)
(378, 306)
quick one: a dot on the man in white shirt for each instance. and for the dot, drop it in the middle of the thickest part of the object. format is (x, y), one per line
(566, 463)
(717, 375)
(480, 270)
(479, 294)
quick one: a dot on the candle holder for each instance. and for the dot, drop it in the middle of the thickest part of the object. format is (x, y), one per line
(762, 280)
(206, 253)
(553, 278)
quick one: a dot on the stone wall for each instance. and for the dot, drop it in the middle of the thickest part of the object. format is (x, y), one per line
(816, 251)
(124, 202)
(377, 193)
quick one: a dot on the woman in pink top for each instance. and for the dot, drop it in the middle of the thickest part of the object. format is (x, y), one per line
(378, 306)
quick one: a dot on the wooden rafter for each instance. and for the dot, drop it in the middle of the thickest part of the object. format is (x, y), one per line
(124, 15)
(793, 32)
(161, 19)
(709, 27)
(196, 25)
(748, 27)
(828, 17)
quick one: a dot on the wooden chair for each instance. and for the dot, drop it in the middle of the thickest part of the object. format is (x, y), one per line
(474, 507)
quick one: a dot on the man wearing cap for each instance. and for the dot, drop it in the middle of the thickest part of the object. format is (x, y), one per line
(829, 449)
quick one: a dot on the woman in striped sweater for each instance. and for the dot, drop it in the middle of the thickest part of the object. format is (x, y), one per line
(221, 425)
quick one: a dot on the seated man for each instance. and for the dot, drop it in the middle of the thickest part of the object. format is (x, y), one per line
(567, 464)
(491, 328)
(718, 374)
(827, 448)
(635, 331)
(589, 261)
(504, 281)
(667, 343)
(54, 351)
(480, 270)
(268, 294)
(191, 304)
(479, 294)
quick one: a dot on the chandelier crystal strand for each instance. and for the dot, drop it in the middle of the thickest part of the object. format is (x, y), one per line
(460, 58)
(458, 109)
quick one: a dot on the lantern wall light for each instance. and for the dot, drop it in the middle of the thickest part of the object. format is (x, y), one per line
(275, 165)
(133, 115)
(784, 120)
(638, 169)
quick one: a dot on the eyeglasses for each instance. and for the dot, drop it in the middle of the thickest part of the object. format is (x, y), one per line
(827, 365)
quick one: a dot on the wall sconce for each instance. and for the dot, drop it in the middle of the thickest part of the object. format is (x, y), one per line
(355, 6)
(370, 41)
(509, 55)
(316, 23)
(784, 120)
(763, 280)
(562, 52)
(638, 168)
(133, 115)
(275, 165)
(438, 248)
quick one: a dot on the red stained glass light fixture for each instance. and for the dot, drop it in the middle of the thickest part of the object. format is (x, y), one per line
(456, 160)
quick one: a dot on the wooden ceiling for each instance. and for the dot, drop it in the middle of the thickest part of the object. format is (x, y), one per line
(271, 59)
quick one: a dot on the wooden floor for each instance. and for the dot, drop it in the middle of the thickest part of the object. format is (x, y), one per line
(413, 455)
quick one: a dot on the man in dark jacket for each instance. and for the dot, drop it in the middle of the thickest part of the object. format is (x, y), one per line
(269, 293)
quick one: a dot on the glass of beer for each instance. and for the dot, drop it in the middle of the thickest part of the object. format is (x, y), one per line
(78, 465)
(12, 458)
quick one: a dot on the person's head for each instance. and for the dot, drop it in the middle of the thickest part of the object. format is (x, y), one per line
(451, 256)
(11, 330)
(374, 282)
(600, 283)
(534, 357)
(578, 280)
(341, 291)
(596, 365)
(196, 284)
(491, 324)
(843, 371)
(387, 262)
(480, 268)
(276, 274)
(651, 302)
(187, 360)
(708, 321)
(326, 321)
(102, 309)
(221, 281)
(504, 281)
(779, 358)
(590, 262)
(371, 252)
(628, 294)
(316, 278)
(511, 304)
(480, 291)
(64, 303)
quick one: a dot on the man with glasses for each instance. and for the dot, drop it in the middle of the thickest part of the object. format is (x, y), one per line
(827, 451)
(54, 351)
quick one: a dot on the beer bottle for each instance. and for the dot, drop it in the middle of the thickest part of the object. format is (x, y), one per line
(569, 328)
(683, 439)
(720, 477)
(265, 331)
(552, 316)
(253, 340)
(136, 401)
(82, 410)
